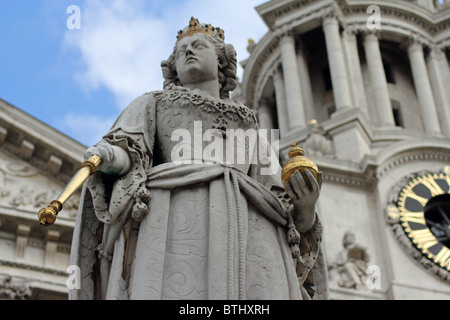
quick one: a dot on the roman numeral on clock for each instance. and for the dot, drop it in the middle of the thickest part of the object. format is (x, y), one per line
(443, 258)
(424, 238)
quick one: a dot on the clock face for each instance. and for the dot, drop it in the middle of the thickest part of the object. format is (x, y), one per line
(424, 214)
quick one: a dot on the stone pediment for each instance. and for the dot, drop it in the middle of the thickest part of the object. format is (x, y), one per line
(26, 188)
(36, 162)
(38, 144)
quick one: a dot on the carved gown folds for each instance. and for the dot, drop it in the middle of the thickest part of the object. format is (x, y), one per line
(191, 231)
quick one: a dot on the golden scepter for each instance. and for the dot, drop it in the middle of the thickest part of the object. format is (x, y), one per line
(47, 215)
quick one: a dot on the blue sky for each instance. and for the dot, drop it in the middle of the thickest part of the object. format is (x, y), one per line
(78, 81)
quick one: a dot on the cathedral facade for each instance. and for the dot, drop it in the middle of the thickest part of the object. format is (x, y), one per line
(363, 88)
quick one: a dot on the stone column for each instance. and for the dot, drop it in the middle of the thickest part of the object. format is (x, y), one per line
(305, 83)
(280, 96)
(265, 115)
(294, 99)
(378, 79)
(439, 71)
(423, 87)
(350, 42)
(336, 61)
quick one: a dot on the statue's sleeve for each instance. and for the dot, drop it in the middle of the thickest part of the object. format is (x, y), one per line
(134, 131)
(108, 200)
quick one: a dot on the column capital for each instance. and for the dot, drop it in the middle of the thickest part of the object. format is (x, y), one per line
(350, 32)
(415, 42)
(328, 15)
(371, 35)
(437, 52)
(284, 34)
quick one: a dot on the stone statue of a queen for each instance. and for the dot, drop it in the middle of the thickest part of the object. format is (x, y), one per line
(170, 212)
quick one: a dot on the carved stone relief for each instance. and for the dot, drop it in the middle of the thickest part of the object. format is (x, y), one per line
(317, 144)
(21, 186)
(13, 289)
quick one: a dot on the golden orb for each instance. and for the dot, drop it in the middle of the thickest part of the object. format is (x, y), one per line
(298, 162)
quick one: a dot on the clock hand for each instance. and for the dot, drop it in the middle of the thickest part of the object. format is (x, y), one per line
(444, 215)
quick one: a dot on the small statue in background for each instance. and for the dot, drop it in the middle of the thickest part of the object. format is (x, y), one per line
(350, 266)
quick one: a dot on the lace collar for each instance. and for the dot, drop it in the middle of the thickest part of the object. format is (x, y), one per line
(227, 109)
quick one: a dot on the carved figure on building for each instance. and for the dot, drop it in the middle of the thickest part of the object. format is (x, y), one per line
(13, 291)
(163, 218)
(316, 143)
(350, 268)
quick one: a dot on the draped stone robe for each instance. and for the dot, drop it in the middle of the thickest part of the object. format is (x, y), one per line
(203, 229)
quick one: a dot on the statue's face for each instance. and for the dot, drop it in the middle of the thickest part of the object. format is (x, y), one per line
(349, 239)
(197, 59)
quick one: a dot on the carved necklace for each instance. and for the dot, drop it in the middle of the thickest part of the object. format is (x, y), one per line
(227, 110)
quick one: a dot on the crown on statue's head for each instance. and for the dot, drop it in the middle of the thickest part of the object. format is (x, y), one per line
(196, 27)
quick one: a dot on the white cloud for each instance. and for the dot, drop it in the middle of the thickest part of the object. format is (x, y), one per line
(119, 46)
(121, 43)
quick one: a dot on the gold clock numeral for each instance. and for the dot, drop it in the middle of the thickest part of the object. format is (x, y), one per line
(424, 238)
(443, 257)
(434, 188)
(423, 201)
(416, 217)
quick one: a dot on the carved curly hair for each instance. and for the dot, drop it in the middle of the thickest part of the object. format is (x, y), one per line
(227, 68)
